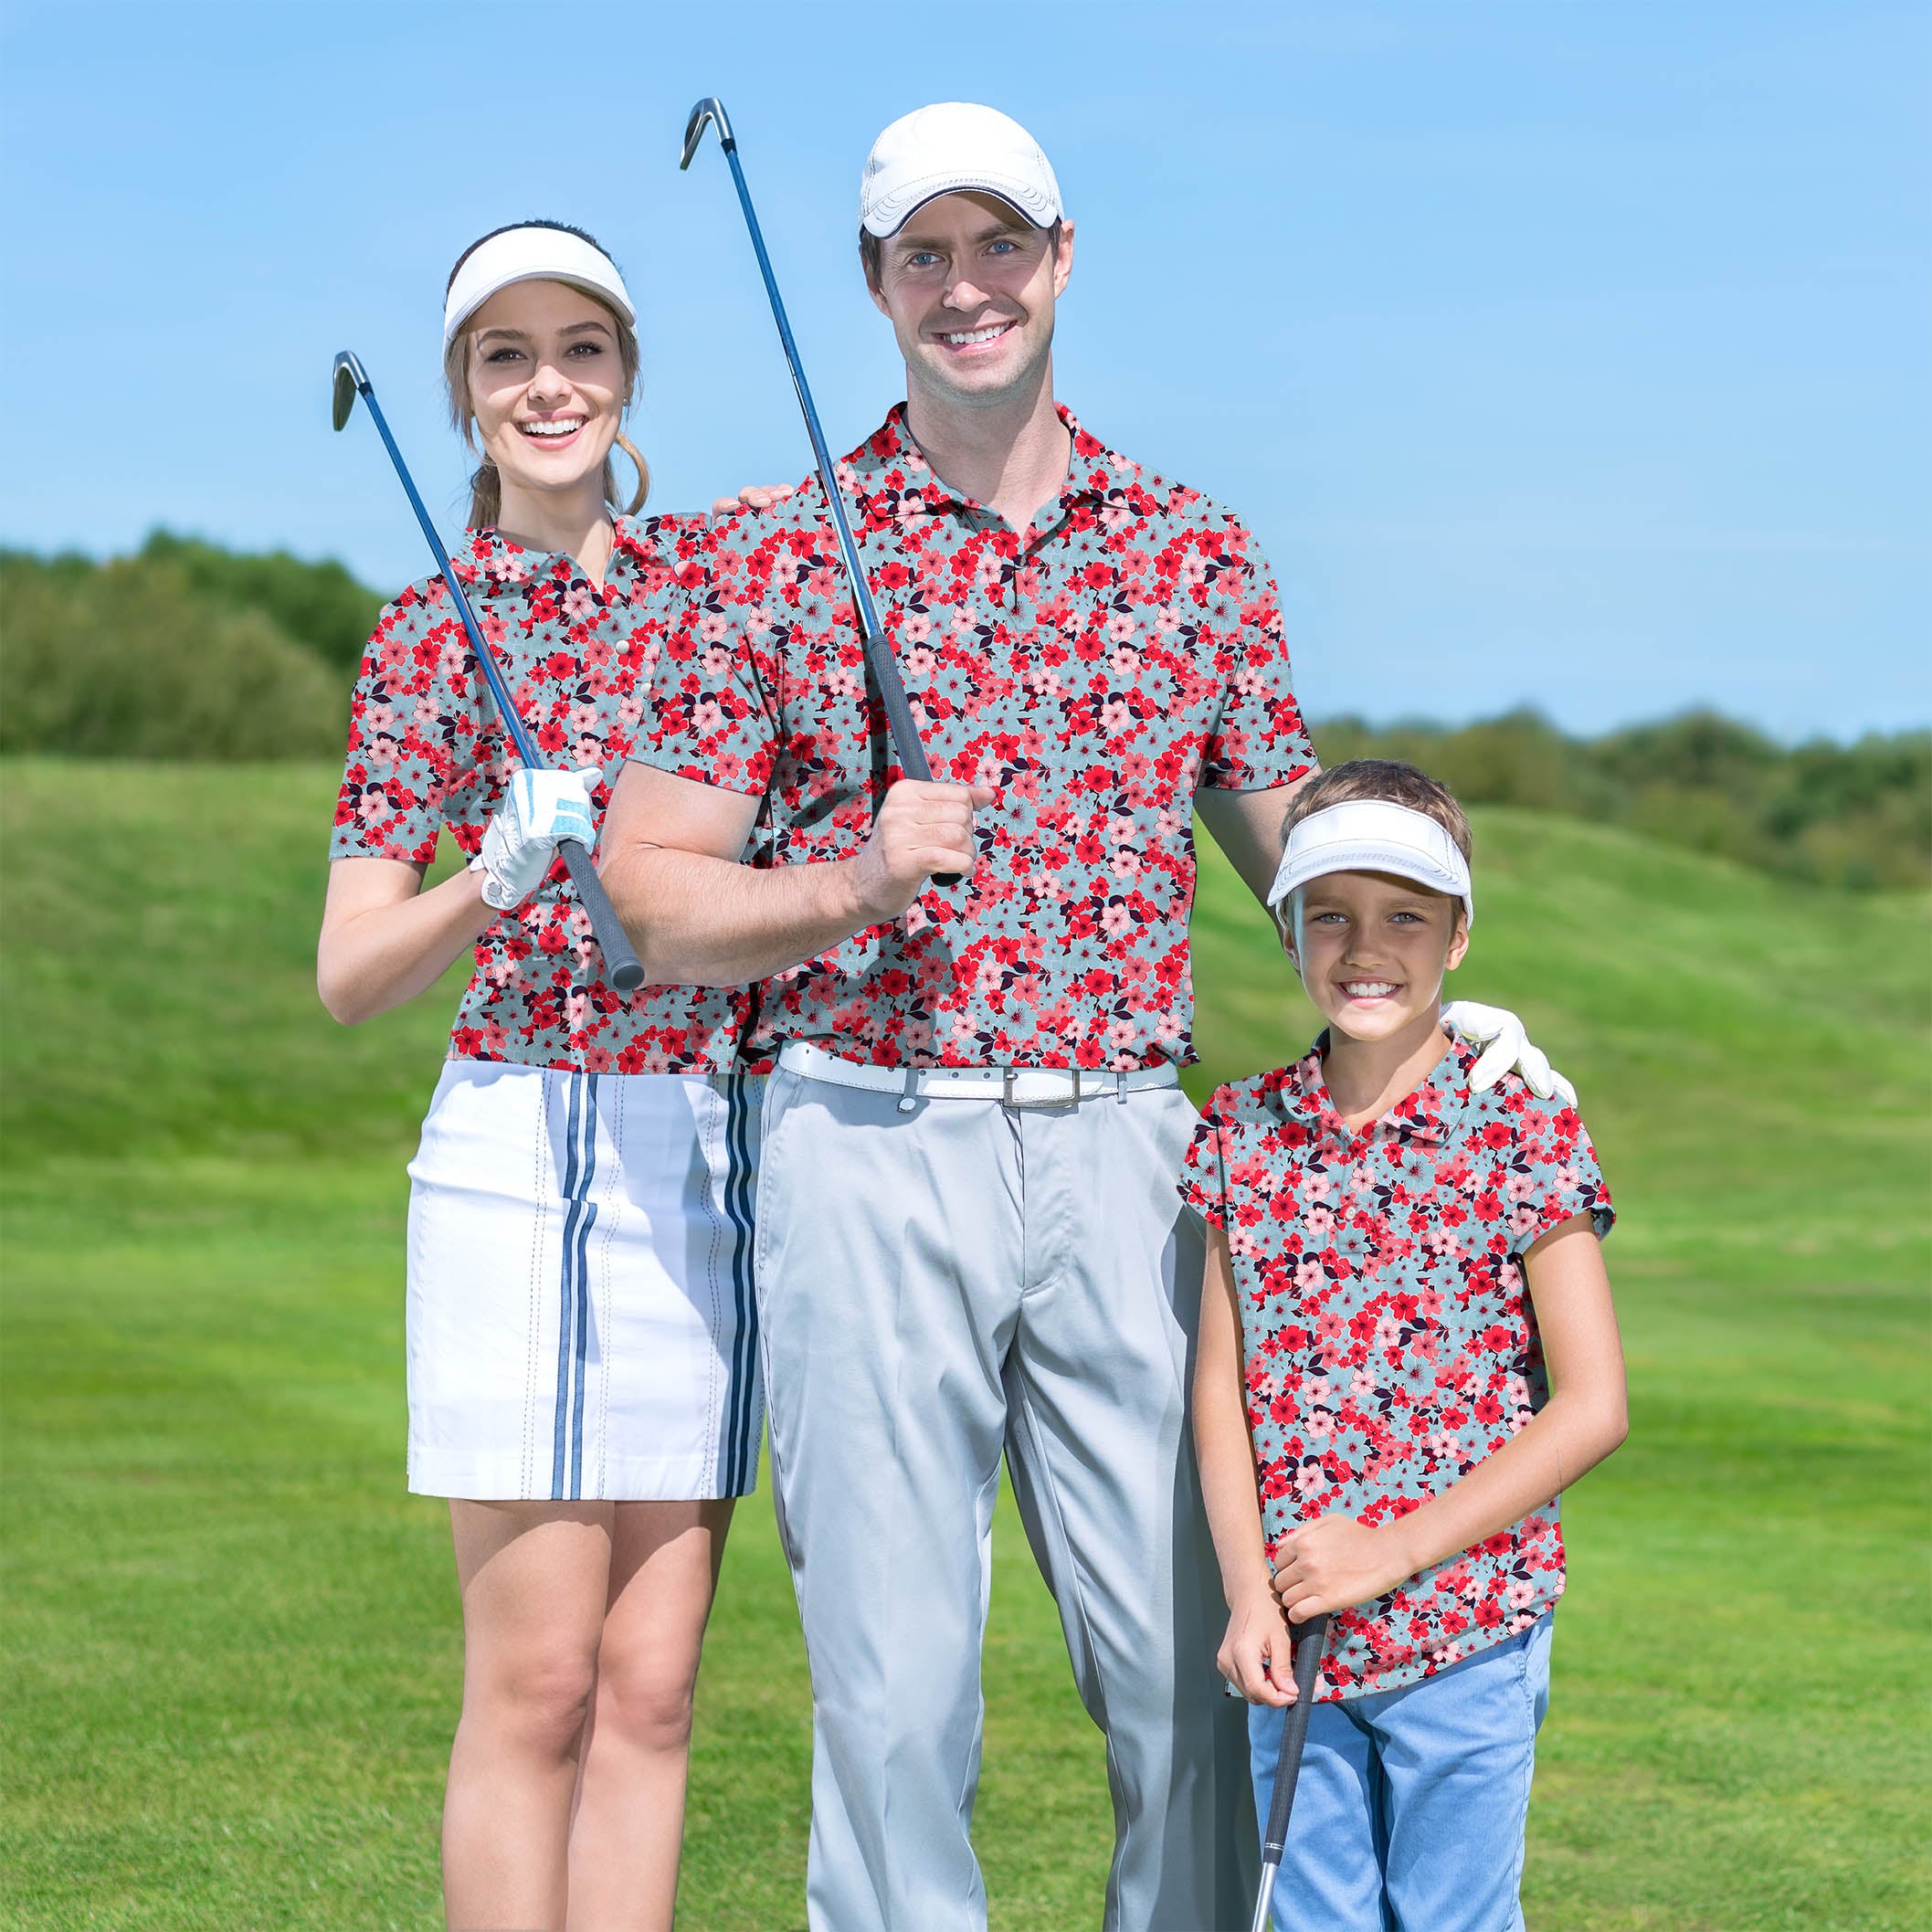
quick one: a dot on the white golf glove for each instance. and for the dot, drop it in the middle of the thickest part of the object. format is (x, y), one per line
(540, 808)
(1504, 1045)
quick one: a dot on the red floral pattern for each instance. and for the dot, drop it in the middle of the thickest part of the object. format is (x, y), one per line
(1093, 671)
(426, 751)
(1388, 1336)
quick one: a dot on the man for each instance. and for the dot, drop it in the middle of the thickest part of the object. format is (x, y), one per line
(968, 1231)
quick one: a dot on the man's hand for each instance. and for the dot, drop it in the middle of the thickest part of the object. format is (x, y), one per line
(920, 829)
(1335, 1564)
(1256, 1643)
(539, 810)
(1504, 1045)
(753, 496)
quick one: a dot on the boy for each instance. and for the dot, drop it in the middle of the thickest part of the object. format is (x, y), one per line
(1407, 1338)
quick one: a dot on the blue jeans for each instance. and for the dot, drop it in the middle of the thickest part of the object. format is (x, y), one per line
(1410, 1811)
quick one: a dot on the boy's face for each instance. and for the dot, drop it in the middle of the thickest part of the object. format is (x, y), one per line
(1372, 949)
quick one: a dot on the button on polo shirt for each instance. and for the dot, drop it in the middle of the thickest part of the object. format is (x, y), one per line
(1093, 670)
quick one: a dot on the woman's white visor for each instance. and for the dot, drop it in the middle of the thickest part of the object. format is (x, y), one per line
(532, 255)
(1373, 835)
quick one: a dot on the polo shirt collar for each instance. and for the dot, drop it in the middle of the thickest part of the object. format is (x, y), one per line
(489, 563)
(891, 448)
(1427, 1118)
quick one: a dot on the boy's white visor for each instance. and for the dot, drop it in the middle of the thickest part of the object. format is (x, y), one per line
(1373, 835)
(533, 254)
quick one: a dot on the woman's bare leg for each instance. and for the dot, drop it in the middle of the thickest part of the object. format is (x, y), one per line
(629, 1824)
(536, 1579)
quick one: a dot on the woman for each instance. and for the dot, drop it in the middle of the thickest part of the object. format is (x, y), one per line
(582, 1360)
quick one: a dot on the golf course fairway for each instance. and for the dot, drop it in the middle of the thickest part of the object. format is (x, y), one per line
(231, 1640)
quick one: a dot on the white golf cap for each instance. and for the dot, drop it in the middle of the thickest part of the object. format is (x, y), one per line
(1374, 835)
(534, 253)
(950, 149)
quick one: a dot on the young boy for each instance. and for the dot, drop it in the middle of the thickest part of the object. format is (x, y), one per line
(1406, 1337)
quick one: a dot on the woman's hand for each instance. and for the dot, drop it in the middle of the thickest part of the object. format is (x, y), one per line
(1257, 1641)
(754, 496)
(1335, 1563)
(540, 810)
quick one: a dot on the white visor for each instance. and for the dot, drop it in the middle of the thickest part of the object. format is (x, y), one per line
(1373, 835)
(532, 254)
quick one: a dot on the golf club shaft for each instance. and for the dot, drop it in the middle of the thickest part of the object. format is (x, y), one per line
(621, 965)
(878, 651)
(1311, 1638)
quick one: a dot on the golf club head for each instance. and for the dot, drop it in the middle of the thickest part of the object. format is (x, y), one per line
(349, 378)
(710, 108)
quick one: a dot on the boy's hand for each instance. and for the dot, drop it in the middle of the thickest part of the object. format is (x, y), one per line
(1335, 1563)
(1255, 1646)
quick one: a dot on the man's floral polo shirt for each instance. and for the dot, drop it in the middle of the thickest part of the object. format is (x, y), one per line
(1093, 671)
(1386, 1328)
(427, 750)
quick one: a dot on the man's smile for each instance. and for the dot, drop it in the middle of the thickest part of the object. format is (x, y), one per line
(958, 340)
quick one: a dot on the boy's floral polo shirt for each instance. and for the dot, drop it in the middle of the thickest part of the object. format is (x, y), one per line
(1093, 671)
(427, 750)
(1386, 1328)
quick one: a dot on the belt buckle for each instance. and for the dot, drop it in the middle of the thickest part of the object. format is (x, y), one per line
(1011, 1074)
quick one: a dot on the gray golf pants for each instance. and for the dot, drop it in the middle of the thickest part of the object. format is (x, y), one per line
(937, 1285)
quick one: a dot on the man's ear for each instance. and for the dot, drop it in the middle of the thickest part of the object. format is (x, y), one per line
(1063, 259)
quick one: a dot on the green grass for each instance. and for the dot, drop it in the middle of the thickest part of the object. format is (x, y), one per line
(231, 1649)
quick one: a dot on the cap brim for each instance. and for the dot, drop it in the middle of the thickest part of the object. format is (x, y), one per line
(896, 210)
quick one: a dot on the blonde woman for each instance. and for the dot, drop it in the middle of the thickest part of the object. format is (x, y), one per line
(582, 1360)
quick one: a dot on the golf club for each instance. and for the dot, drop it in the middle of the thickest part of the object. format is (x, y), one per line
(878, 650)
(1310, 1640)
(620, 957)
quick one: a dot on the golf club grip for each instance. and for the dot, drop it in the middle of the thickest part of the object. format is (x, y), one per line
(622, 966)
(912, 760)
(1312, 1640)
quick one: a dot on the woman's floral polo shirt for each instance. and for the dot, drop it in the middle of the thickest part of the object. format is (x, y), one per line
(427, 750)
(1093, 669)
(1386, 1328)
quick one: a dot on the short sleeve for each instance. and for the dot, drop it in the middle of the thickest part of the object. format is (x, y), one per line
(1204, 1171)
(1258, 741)
(715, 723)
(1560, 1176)
(395, 775)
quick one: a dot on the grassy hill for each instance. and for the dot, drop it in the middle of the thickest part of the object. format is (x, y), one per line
(230, 1640)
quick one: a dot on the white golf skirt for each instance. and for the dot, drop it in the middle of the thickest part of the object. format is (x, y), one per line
(581, 1322)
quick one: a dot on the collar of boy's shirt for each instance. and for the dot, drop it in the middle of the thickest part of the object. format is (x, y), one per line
(489, 563)
(1425, 1118)
(1092, 470)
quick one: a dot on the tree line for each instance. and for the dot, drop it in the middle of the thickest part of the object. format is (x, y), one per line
(188, 650)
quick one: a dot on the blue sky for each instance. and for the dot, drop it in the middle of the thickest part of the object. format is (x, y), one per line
(1562, 354)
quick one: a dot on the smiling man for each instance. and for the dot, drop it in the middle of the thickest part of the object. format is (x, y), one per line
(969, 1240)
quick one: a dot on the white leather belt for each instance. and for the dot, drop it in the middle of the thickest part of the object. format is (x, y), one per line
(1010, 1086)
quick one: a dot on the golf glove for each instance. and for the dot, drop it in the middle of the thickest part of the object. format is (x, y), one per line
(1504, 1045)
(540, 810)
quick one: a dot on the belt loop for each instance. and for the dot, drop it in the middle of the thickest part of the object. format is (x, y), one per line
(1119, 1087)
(910, 1098)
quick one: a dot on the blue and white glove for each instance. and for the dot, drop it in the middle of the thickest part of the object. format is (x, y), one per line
(1504, 1045)
(540, 810)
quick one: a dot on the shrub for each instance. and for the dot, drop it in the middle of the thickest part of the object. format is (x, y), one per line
(124, 659)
